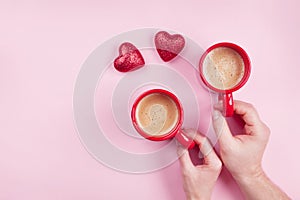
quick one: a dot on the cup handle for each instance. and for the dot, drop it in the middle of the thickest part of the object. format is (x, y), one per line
(227, 99)
(184, 140)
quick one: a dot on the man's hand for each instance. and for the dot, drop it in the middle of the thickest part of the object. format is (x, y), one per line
(242, 154)
(198, 181)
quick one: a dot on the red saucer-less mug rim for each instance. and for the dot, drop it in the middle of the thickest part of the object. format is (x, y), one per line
(173, 131)
(241, 52)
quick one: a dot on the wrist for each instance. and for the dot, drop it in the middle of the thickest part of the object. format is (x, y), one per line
(259, 186)
(251, 178)
(254, 173)
(198, 197)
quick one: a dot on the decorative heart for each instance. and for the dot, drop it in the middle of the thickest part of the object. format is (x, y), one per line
(129, 58)
(168, 46)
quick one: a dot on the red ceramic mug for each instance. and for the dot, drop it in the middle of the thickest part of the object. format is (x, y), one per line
(233, 51)
(154, 102)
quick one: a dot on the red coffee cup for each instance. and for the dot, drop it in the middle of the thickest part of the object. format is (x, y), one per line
(174, 131)
(226, 94)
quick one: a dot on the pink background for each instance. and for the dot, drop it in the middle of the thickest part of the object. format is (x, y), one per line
(44, 43)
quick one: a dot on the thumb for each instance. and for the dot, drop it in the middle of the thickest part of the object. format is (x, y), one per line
(221, 129)
(184, 159)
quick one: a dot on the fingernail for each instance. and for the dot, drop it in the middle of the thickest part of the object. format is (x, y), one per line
(216, 114)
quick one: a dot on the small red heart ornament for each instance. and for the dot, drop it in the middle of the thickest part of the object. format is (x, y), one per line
(129, 59)
(168, 46)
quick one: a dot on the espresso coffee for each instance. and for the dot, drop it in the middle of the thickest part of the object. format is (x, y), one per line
(223, 68)
(157, 114)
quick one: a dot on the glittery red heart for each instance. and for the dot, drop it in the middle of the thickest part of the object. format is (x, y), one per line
(129, 58)
(168, 46)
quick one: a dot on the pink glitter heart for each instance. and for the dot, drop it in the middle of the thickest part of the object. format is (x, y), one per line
(129, 58)
(168, 46)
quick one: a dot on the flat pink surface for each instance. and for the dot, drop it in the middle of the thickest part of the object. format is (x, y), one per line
(42, 47)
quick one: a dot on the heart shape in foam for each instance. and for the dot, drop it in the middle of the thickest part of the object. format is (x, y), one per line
(129, 59)
(168, 46)
(157, 118)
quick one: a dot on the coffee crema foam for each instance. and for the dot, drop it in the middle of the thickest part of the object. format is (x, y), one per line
(157, 114)
(223, 68)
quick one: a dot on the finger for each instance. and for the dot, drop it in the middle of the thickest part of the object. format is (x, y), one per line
(199, 139)
(210, 157)
(184, 159)
(221, 129)
(219, 106)
(247, 112)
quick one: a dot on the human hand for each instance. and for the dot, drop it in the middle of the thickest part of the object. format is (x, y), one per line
(198, 181)
(242, 154)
